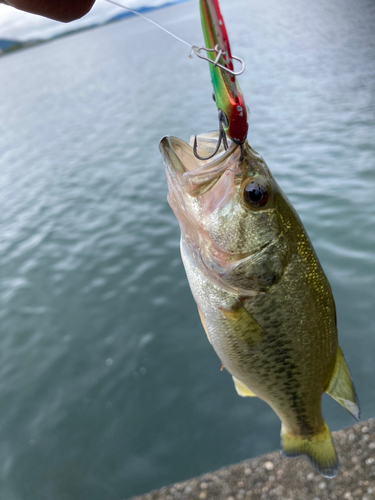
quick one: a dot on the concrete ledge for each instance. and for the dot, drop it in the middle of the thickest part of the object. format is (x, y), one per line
(274, 477)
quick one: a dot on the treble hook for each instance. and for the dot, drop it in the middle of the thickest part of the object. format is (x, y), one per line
(223, 122)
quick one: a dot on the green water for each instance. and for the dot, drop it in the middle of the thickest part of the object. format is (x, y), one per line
(108, 386)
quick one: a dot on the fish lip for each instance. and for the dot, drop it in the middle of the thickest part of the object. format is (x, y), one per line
(236, 259)
(167, 149)
(217, 272)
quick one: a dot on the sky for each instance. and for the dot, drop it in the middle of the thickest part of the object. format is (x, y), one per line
(17, 25)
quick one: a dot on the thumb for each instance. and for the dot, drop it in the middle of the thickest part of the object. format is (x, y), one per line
(60, 10)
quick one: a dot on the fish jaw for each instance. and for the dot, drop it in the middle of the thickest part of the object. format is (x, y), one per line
(190, 182)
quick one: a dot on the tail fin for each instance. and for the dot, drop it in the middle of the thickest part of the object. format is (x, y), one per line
(318, 449)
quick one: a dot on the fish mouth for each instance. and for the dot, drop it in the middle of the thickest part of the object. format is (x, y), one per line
(190, 181)
(196, 176)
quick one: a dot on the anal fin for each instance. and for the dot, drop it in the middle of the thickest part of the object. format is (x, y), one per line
(341, 387)
(242, 389)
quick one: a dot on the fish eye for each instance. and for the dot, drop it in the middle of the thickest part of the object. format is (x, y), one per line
(255, 195)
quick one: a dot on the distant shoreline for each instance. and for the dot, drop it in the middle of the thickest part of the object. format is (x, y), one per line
(8, 46)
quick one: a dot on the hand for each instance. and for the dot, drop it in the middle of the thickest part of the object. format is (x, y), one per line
(60, 10)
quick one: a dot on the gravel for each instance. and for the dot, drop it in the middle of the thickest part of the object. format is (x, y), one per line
(274, 477)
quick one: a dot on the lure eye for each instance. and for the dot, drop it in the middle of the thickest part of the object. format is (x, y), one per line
(255, 195)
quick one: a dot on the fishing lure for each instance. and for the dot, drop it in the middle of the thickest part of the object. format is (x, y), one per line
(233, 121)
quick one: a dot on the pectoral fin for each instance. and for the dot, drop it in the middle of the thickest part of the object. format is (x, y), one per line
(243, 324)
(242, 390)
(341, 387)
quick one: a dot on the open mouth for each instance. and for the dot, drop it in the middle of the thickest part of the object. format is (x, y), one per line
(196, 176)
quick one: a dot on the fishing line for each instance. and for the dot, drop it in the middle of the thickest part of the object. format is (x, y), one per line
(193, 47)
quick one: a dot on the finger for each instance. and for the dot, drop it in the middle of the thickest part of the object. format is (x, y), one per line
(60, 10)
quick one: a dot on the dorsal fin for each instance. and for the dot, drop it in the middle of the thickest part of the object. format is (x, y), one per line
(341, 387)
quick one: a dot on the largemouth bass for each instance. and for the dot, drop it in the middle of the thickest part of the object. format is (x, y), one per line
(262, 295)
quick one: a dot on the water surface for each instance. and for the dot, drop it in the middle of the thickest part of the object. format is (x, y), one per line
(108, 386)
